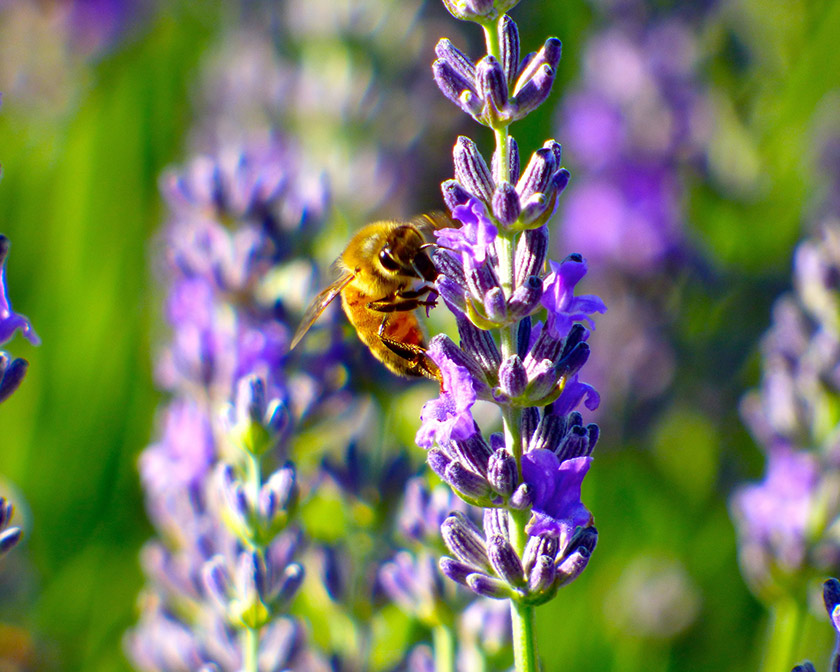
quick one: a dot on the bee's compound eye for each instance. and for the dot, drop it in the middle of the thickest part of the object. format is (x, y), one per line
(388, 262)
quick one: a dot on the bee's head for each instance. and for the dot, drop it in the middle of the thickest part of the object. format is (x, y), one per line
(399, 253)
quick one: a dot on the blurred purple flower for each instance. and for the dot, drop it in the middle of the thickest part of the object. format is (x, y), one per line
(639, 115)
(775, 514)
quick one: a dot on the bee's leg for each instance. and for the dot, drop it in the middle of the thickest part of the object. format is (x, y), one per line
(402, 302)
(415, 355)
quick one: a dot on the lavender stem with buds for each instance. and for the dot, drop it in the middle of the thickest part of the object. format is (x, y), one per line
(536, 535)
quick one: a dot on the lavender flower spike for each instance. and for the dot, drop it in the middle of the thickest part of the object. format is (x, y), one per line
(537, 535)
(785, 522)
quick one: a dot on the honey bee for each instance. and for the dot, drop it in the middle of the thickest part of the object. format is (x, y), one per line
(378, 272)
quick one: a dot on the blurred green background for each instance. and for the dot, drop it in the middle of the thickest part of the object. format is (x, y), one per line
(84, 134)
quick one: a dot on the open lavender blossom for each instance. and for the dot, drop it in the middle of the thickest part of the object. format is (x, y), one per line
(786, 523)
(12, 371)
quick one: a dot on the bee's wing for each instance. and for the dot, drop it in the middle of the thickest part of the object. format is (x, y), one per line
(432, 221)
(319, 303)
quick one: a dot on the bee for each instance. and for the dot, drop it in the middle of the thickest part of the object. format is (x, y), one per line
(378, 275)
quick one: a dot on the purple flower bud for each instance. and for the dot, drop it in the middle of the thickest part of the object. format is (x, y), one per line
(528, 425)
(12, 374)
(470, 10)
(575, 444)
(534, 209)
(535, 91)
(495, 306)
(474, 453)
(523, 337)
(492, 86)
(438, 461)
(537, 174)
(480, 7)
(465, 541)
(7, 510)
(501, 472)
(279, 493)
(548, 433)
(454, 194)
(506, 563)
(471, 103)
(217, 582)
(548, 55)
(8, 538)
(539, 547)
(457, 60)
(560, 180)
(526, 298)
(545, 349)
(584, 538)
(572, 566)
(456, 88)
(496, 523)
(509, 39)
(805, 667)
(522, 497)
(574, 361)
(530, 254)
(455, 570)
(506, 204)
(512, 377)
(467, 483)
(831, 595)
(471, 170)
(290, 583)
(234, 497)
(542, 576)
(543, 383)
(487, 586)
(479, 345)
(250, 400)
(512, 160)
(11, 321)
(251, 579)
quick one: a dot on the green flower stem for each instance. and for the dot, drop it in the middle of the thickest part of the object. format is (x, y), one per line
(250, 638)
(786, 621)
(524, 637)
(443, 640)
